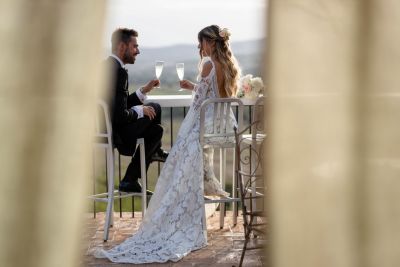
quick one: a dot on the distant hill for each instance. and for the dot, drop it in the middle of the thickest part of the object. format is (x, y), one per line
(248, 53)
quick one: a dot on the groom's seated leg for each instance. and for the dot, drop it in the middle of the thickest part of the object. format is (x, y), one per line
(130, 181)
(152, 132)
(157, 109)
(152, 139)
(159, 154)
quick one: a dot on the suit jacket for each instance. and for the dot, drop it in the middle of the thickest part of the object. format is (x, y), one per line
(120, 100)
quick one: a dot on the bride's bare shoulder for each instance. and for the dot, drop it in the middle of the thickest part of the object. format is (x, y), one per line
(207, 67)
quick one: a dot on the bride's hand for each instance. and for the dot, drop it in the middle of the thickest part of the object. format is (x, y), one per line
(185, 84)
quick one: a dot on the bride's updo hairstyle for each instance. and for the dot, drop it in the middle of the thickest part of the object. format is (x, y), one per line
(223, 54)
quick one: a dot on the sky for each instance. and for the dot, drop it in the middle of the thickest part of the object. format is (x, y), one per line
(170, 22)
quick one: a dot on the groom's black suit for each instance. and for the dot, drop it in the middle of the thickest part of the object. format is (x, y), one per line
(126, 125)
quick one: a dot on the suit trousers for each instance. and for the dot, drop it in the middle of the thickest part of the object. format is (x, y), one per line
(151, 131)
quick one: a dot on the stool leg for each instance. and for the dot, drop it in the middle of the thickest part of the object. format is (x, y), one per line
(222, 165)
(234, 191)
(119, 182)
(203, 219)
(110, 194)
(94, 181)
(144, 178)
(112, 169)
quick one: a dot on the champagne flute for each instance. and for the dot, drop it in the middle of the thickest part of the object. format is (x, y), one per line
(180, 70)
(159, 68)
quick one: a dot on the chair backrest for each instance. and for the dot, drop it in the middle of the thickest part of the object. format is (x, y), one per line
(257, 120)
(103, 128)
(249, 169)
(221, 115)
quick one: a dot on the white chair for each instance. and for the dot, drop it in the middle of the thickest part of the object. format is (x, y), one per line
(255, 138)
(103, 139)
(257, 124)
(222, 111)
(249, 170)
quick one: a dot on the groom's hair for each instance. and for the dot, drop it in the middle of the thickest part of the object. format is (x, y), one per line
(122, 35)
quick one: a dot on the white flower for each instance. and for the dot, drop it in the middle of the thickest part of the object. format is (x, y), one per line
(224, 33)
(257, 84)
(249, 87)
(246, 79)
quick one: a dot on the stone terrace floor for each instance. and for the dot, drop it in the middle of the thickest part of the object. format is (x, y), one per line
(224, 245)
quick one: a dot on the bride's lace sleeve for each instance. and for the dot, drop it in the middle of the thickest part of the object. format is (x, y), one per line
(202, 92)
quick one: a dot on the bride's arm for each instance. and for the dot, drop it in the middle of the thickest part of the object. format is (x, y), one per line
(186, 84)
(207, 67)
(203, 88)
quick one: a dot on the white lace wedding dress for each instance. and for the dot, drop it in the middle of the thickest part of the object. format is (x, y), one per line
(172, 226)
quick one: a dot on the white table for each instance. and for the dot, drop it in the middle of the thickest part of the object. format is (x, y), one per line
(183, 100)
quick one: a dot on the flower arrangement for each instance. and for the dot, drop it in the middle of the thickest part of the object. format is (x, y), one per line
(250, 87)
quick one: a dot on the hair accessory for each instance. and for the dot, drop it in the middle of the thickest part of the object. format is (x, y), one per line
(224, 33)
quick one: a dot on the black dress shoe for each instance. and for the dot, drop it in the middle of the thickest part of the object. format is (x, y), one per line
(132, 187)
(159, 155)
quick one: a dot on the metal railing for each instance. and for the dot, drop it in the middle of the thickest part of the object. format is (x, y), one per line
(174, 109)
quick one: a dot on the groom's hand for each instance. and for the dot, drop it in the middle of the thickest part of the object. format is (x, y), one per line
(149, 112)
(150, 85)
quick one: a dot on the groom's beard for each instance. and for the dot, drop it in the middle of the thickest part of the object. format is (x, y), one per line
(129, 58)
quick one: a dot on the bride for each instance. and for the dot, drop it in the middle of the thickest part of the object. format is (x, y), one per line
(172, 226)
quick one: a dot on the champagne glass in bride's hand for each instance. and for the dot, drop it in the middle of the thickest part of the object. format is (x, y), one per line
(180, 70)
(159, 68)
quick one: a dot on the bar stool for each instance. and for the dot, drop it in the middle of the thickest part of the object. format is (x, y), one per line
(223, 138)
(103, 139)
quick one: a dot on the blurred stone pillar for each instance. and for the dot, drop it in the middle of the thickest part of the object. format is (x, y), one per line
(49, 72)
(334, 147)
(380, 177)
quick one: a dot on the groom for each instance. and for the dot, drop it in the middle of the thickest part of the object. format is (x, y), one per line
(130, 118)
